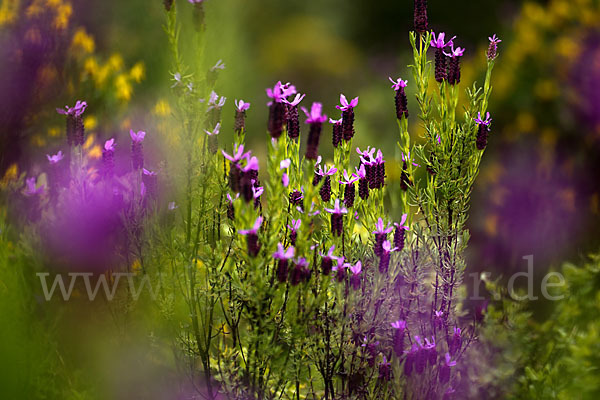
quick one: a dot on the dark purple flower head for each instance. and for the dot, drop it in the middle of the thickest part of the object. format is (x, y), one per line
(492, 52)
(407, 159)
(438, 42)
(55, 158)
(387, 247)
(280, 92)
(399, 325)
(360, 172)
(402, 222)
(31, 189)
(254, 228)
(284, 254)
(345, 105)
(420, 16)
(487, 121)
(137, 137)
(241, 105)
(314, 116)
(398, 84)
(366, 156)
(356, 268)
(75, 111)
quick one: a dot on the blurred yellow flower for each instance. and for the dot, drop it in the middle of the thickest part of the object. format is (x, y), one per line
(95, 152)
(124, 88)
(61, 21)
(137, 72)
(82, 41)
(38, 140)
(546, 89)
(491, 225)
(89, 141)
(115, 62)
(525, 122)
(10, 175)
(8, 11)
(54, 131)
(90, 122)
(162, 108)
(91, 66)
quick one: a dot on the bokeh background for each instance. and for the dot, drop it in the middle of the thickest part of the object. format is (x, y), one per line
(538, 190)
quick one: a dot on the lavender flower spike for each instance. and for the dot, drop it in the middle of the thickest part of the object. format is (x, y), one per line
(240, 115)
(400, 99)
(336, 137)
(137, 155)
(483, 130)
(108, 158)
(380, 236)
(349, 188)
(399, 234)
(454, 64)
(441, 67)
(337, 218)
(327, 261)
(356, 270)
(347, 109)
(283, 256)
(293, 123)
(75, 128)
(315, 119)
(55, 158)
(384, 260)
(252, 237)
(420, 16)
(276, 109)
(492, 51)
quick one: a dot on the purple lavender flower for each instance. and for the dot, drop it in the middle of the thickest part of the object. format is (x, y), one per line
(325, 190)
(293, 122)
(108, 158)
(249, 178)
(363, 182)
(398, 341)
(400, 99)
(327, 261)
(336, 137)
(75, 128)
(380, 233)
(31, 189)
(283, 256)
(347, 109)
(367, 160)
(137, 154)
(385, 370)
(213, 144)
(384, 259)
(431, 350)
(294, 227)
(53, 160)
(214, 106)
(150, 180)
(235, 171)
(405, 180)
(444, 375)
(296, 198)
(441, 65)
(276, 109)
(454, 64)
(349, 189)
(356, 270)
(300, 272)
(315, 119)
(257, 191)
(230, 209)
(492, 51)
(337, 218)
(340, 269)
(168, 4)
(483, 130)
(252, 237)
(438, 319)
(379, 167)
(399, 233)
(420, 16)
(240, 116)
(455, 342)
(410, 360)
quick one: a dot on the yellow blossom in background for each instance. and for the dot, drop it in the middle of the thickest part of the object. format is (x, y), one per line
(8, 11)
(82, 41)
(162, 108)
(38, 140)
(115, 62)
(124, 88)
(54, 131)
(10, 175)
(95, 152)
(89, 141)
(61, 21)
(546, 89)
(137, 72)
(90, 122)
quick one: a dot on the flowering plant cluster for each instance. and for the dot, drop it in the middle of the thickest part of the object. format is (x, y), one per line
(286, 276)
